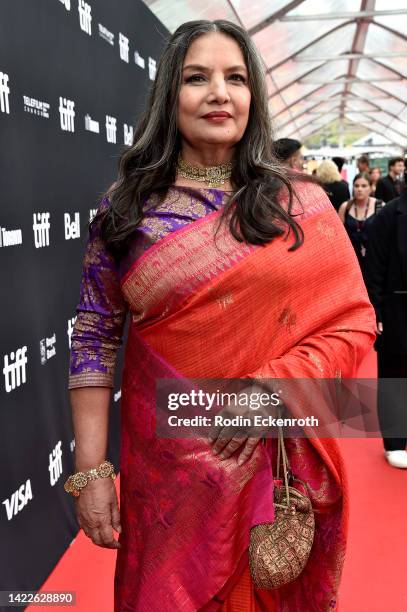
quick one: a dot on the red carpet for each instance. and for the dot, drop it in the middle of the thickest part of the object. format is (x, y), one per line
(374, 578)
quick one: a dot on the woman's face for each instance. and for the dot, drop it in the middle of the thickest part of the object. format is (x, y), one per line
(375, 174)
(361, 189)
(214, 100)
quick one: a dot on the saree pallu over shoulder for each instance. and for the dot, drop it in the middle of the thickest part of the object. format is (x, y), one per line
(206, 307)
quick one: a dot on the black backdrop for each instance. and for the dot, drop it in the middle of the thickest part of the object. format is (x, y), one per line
(50, 57)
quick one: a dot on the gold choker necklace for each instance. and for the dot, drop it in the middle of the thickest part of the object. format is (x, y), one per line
(213, 175)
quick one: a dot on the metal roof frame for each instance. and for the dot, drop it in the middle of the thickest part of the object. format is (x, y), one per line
(302, 37)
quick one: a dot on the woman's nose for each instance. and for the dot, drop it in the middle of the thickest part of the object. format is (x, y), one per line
(219, 90)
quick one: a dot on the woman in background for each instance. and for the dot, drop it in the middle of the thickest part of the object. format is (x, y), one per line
(375, 174)
(357, 215)
(336, 188)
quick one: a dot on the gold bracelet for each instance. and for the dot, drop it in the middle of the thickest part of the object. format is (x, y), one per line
(76, 482)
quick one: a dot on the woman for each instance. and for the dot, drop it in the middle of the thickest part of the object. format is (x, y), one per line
(375, 174)
(289, 152)
(202, 240)
(357, 215)
(336, 188)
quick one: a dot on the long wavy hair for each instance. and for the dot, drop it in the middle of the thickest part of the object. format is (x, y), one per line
(149, 165)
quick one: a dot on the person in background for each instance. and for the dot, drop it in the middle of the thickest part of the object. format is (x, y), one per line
(339, 162)
(386, 281)
(375, 174)
(336, 188)
(357, 215)
(363, 164)
(389, 187)
(288, 151)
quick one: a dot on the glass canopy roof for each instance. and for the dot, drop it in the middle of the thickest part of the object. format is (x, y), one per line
(327, 60)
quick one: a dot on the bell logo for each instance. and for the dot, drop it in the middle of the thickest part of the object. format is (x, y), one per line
(152, 68)
(41, 227)
(124, 47)
(55, 464)
(85, 16)
(128, 134)
(111, 129)
(14, 369)
(72, 228)
(4, 93)
(18, 500)
(66, 114)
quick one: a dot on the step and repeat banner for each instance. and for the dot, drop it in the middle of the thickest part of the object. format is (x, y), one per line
(74, 77)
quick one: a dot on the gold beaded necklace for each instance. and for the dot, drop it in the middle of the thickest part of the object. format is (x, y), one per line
(214, 176)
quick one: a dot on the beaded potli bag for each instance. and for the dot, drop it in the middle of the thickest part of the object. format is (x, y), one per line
(279, 551)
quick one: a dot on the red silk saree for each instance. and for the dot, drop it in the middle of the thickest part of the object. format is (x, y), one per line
(211, 307)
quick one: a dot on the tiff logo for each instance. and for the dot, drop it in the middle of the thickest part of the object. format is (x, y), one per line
(72, 228)
(111, 129)
(152, 68)
(55, 464)
(67, 114)
(41, 227)
(128, 134)
(18, 500)
(67, 4)
(124, 47)
(85, 16)
(71, 323)
(14, 369)
(47, 348)
(4, 93)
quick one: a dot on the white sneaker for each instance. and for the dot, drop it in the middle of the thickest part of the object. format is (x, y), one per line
(397, 458)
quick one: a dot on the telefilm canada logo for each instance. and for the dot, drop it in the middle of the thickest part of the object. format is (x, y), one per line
(4, 93)
(41, 227)
(48, 348)
(85, 16)
(91, 125)
(66, 114)
(106, 34)
(36, 107)
(14, 369)
(10, 237)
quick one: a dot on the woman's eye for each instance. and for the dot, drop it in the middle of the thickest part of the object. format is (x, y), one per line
(195, 78)
(238, 77)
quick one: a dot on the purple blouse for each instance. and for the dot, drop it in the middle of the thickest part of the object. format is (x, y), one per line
(102, 310)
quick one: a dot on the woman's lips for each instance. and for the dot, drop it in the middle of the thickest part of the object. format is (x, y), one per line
(217, 117)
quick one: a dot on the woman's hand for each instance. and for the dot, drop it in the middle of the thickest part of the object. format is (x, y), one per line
(97, 511)
(228, 440)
